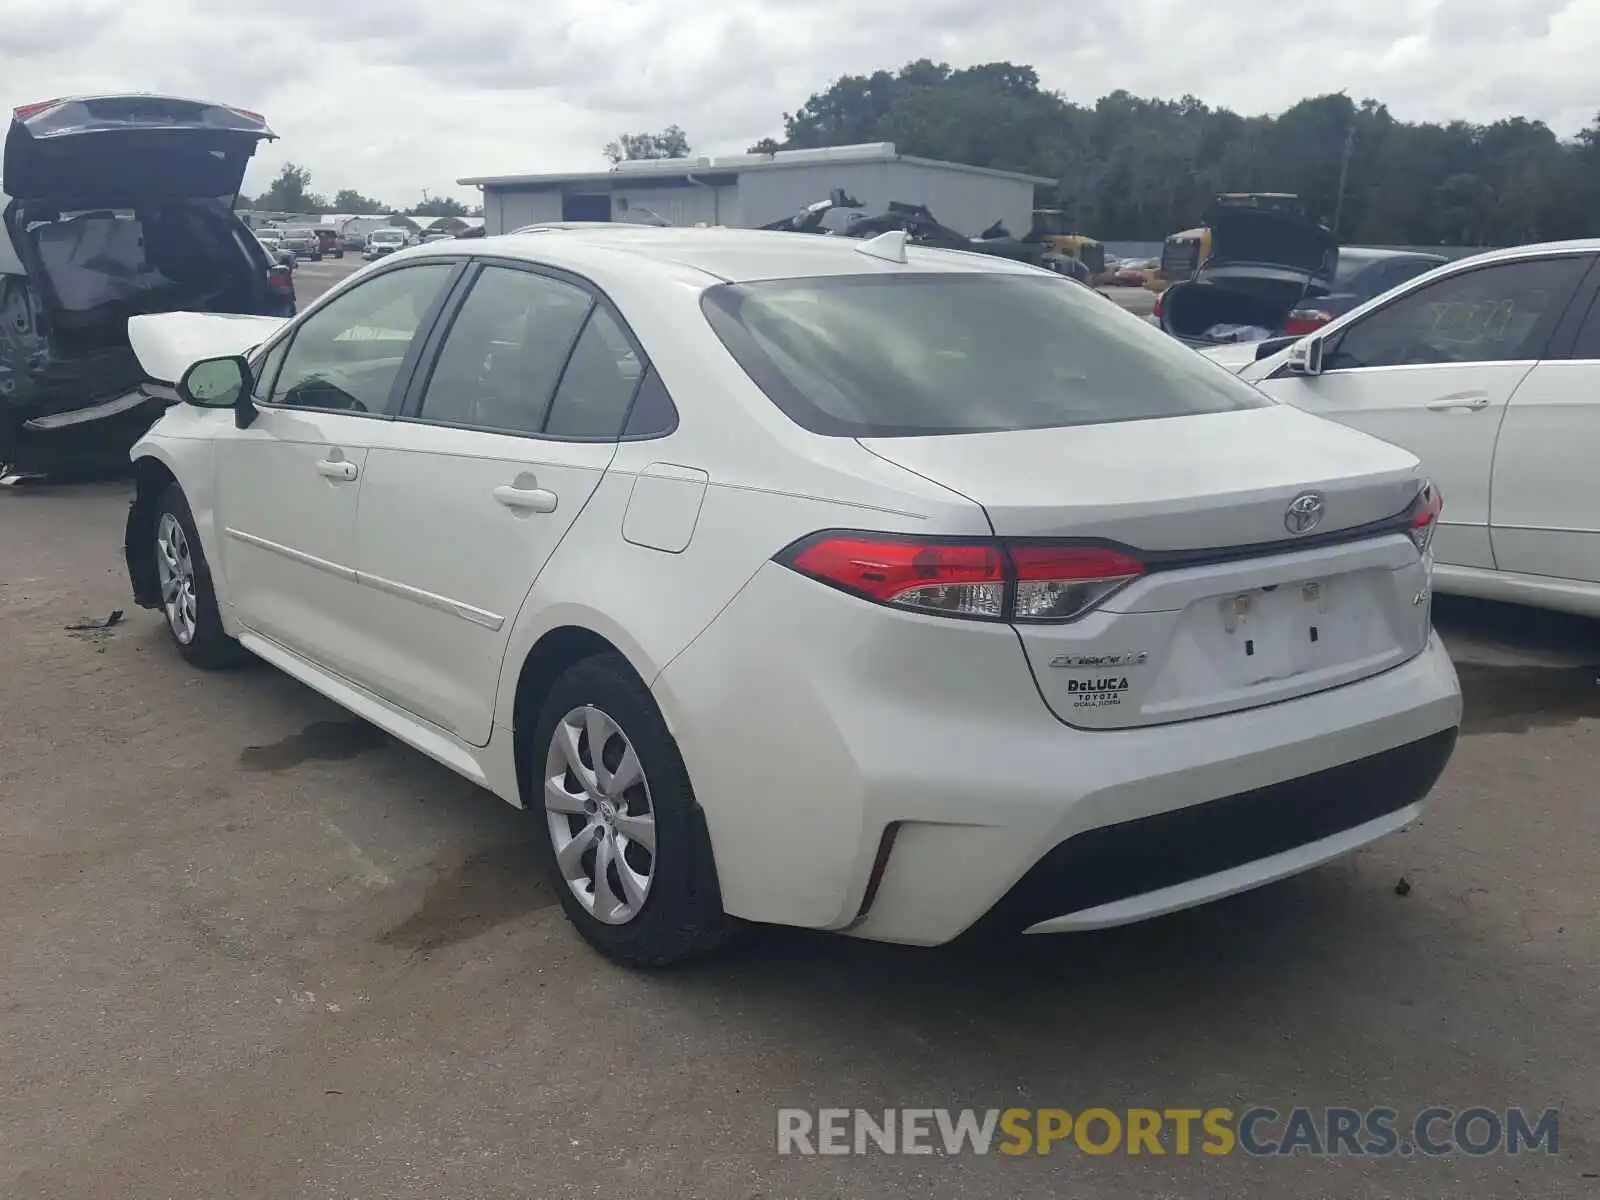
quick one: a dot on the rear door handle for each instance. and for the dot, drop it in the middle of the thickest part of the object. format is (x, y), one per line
(1468, 401)
(534, 499)
(337, 468)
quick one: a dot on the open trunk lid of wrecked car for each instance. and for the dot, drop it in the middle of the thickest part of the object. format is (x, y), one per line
(129, 149)
(1253, 239)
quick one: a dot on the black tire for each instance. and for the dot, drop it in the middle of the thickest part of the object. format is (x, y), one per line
(681, 917)
(210, 649)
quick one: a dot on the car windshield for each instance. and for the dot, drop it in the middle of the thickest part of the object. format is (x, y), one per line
(912, 354)
(388, 235)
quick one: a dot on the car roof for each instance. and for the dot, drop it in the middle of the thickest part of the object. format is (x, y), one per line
(728, 255)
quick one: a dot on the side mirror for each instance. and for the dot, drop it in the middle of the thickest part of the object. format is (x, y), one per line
(215, 382)
(220, 383)
(1305, 356)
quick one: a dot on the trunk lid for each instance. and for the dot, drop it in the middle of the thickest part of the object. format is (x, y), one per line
(1271, 239)
(129, 149)
(1234, 610)
(166, 344)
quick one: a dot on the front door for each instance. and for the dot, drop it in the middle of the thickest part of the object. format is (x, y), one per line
(288, 485)
(1433, 371)
(469, 493)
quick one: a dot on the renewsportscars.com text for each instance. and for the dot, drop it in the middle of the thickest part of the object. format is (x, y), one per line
(1259, 1131)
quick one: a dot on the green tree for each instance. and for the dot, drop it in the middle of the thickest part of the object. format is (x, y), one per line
(291, 192)
(440, 206)
(348, 200)
(671, 142)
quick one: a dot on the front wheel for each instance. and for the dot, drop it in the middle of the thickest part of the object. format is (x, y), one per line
(188, 600)
(621, 835)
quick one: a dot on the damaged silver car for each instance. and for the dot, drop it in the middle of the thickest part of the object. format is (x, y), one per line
(115, 206)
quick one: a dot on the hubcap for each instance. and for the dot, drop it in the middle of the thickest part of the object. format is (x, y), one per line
(602, 824)
(175, 570)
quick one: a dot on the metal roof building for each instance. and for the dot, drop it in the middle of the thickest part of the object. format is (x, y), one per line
(750, 190)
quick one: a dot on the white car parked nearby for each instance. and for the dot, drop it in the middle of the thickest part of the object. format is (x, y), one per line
(805, 580)
(1487, 369)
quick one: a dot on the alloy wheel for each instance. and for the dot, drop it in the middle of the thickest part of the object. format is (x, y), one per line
(602, 823)
(175, 570)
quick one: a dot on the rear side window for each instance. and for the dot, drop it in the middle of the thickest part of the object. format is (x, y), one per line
(912, 354)
(598, 385)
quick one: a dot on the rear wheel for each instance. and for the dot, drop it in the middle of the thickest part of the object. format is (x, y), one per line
(620, 832)
(188, 600)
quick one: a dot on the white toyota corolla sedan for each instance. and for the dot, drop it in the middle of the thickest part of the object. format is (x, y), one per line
(808, 580)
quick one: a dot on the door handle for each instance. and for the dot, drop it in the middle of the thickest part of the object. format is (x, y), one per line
(531, 499)
(1463, 401)
(337, 468)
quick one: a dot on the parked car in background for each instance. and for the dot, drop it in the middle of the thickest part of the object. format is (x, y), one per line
(1133, 272)
(1487, 369)
(273, 245)
(303, 243)
(329, 243)
(1363, 272)
(385, 241)
(665, 475)
(354, 241)
(111, 209)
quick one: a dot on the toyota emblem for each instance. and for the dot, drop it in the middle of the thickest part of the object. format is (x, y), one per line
(1305, 513)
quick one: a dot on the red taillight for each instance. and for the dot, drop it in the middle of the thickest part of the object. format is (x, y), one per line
(1057, 583)
(1160, 296)
(1425, 512)
(280, 279)
(979, 579)
(1306, 320)
(961, 579)
(33, 110)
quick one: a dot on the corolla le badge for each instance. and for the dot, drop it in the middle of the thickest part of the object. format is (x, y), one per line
(1127, 658)
(1305, 513)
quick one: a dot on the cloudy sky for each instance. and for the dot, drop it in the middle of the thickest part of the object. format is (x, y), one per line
(394, 97)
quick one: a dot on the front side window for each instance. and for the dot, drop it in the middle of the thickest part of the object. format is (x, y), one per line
(347, 355)
(1500, 313)
(505, 352)
(915, 353)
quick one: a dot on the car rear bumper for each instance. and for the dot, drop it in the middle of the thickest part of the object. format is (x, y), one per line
(899, 777)
(1124, 872)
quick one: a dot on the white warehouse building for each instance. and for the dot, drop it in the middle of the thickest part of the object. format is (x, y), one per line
(750, 190)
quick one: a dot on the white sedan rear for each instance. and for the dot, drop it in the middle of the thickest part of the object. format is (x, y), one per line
(809, 580)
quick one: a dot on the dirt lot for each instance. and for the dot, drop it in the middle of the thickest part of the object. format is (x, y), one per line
(253, 948)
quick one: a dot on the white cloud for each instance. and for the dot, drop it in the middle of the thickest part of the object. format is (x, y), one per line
(396, 97)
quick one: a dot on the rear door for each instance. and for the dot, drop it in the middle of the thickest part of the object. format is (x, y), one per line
(502, 443)
(1433, 370)
(130, 148)
(1545, 514)
(287, 486)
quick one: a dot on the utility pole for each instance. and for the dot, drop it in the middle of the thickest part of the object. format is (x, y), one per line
(1344, 174)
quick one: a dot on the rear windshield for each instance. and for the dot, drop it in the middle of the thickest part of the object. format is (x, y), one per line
(907, 355)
